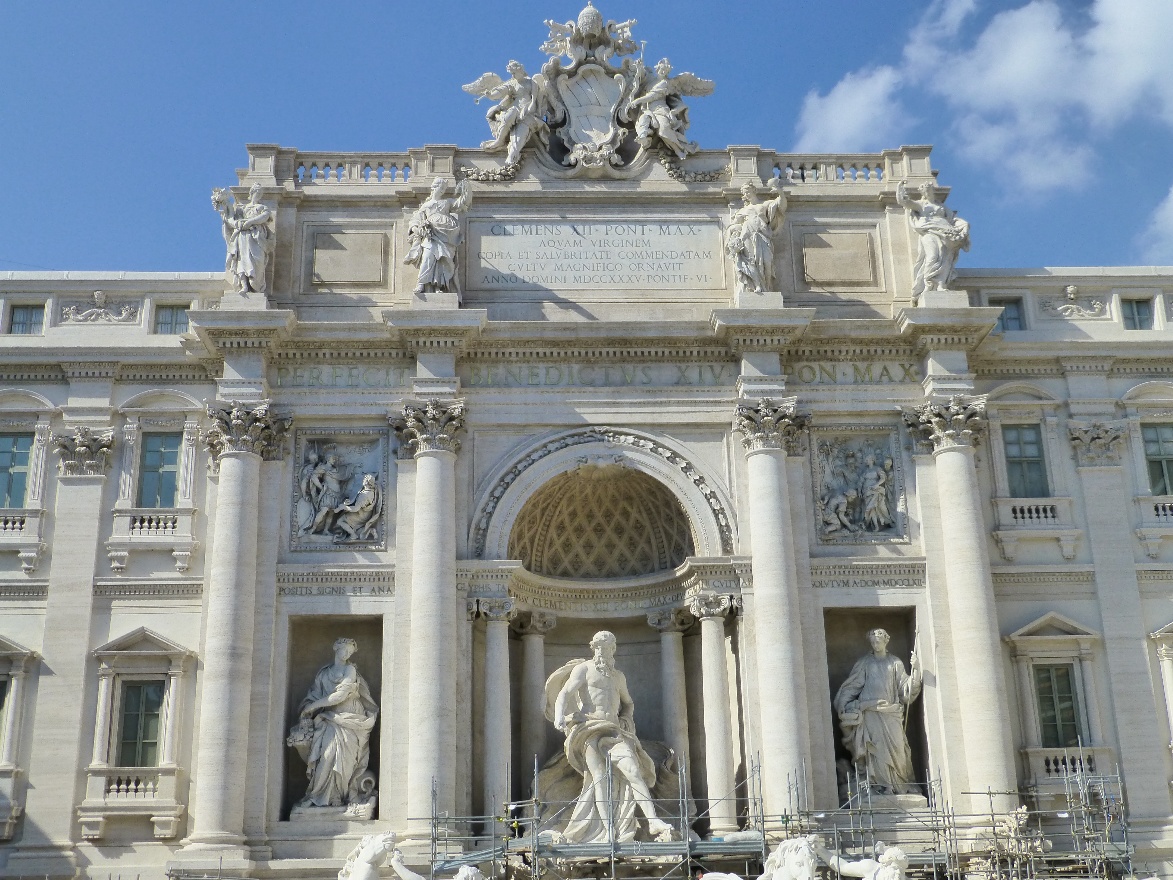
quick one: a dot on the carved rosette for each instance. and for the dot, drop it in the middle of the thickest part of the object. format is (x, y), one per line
(706, 605)
(534, 623)
(670, 620)
(84, 452)
(766, 425)
(959, 422)
(497, 610)
(1097, 444)
(238, 427)
(432, 427)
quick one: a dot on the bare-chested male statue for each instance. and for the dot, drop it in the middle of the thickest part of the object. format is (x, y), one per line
(588, 700)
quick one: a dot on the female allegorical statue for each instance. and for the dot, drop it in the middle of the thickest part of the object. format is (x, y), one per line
(248, 233)
(942, 236)
(333, 734)
(749, 239)
(433, 236)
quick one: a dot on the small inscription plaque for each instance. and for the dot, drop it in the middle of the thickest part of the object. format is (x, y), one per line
(594, 255)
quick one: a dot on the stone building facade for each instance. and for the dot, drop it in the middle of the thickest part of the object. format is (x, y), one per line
(598, 422)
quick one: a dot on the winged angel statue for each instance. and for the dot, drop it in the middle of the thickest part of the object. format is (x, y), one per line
(590, 106)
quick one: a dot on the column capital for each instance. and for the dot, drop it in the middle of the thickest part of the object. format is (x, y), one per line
(243, 427)
(534, 623)
(431, 426)
(707, 605)
(946, 424)
(770, 425)
(670, 620)
(1097, 444)
(496, 609)
(85, 452)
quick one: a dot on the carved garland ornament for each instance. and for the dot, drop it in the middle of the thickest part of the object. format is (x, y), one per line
(241, 428)
(84, 453)
(1097, 444)
(956, 423)
(610, 437)
(765, 425)
(432, 427)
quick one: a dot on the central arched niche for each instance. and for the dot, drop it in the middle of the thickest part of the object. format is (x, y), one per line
(601, 521)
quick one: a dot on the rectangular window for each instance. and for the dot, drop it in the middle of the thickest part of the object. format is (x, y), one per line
(1158, 452)
(159, 470)
(142, 709)
(1058, 706)
(1011, 317)
(26, 320)
(171, 319)
(14, 468)
(1137, 313)
(1026, 469)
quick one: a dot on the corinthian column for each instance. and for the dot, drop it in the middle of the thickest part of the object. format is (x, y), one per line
(989, 755)
(532, 627)
(671, 623)
(498, 717)
(241, 436)
(710, 609)
(430, 431)
(766, 431)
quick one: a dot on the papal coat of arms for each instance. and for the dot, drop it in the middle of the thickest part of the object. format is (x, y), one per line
(585, 110)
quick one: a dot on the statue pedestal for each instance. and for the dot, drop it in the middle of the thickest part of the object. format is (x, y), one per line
(332, 816)
(896, 803)
(764, 299)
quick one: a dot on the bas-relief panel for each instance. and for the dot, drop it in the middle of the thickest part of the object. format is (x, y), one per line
(339, 490)
(859, 486)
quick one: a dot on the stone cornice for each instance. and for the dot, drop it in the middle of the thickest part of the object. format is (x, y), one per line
(221, 331)
(422, 330)
(951, 329)
(750, 330)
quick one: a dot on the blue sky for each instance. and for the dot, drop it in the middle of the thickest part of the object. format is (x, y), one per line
(1052, 121)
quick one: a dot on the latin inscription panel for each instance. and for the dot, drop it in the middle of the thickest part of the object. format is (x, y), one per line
(596, 255)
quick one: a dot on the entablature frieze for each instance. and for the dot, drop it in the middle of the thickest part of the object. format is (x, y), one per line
(899, 575)
(121, 588)
(335, 580)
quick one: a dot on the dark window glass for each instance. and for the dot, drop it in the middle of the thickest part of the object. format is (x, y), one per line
(1158, 452)
(171, 319)
(1058, 707)
(159, 470)
(1138, 314)
(26, 320)
(14, 468)
(1011, 317)
(1026, 470)
(142, 709)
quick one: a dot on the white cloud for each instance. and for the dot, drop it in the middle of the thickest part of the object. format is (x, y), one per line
(1156, 242)
(860, 113)
(1029, 95)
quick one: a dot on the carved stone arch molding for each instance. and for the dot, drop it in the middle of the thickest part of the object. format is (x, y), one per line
(504, 493)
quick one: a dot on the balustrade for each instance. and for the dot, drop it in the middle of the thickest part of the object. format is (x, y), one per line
(323, 168)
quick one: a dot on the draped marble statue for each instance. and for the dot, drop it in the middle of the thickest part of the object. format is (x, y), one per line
(872, 705)
(433, 235)
(749, 238)
(891, 864)
(249, 236)
(589, 702)
(333, 735)
(941, 236)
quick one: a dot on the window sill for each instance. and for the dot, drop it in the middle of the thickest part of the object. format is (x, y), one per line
(152, 528)
(1035, 519)
(1051, 771)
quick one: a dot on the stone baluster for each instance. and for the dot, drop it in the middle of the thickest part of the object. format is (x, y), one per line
(711, 609)
(498, 716)
(533, 626)
(430, 431)
(671, 624)
(767, 431)
(242, 435)
(989, 757)
(1097, 448)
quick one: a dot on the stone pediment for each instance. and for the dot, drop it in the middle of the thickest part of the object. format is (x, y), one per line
(1053, 625)
(142, 642)
(9, 648)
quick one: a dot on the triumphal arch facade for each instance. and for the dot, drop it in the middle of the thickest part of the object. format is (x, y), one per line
(587, 501)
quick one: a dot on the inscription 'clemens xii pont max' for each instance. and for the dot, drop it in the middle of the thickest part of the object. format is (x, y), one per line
(594, 255)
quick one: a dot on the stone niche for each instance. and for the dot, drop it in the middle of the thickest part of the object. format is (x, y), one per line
(846, 631)
(311, 641)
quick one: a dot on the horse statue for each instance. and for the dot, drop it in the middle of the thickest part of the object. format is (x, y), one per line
(465, 872)
(364, 860)
(792, 859)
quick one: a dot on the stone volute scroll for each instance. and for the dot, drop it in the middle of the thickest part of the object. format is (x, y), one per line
(250, 236)
(240, 427)
(769, 425)
(85, 452)
(958, 421)
(332, 736)
(432, 426)
(1097, 444)
(941, 235)
(749, 237)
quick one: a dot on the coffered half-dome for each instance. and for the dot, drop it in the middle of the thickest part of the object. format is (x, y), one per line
(601, 521)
